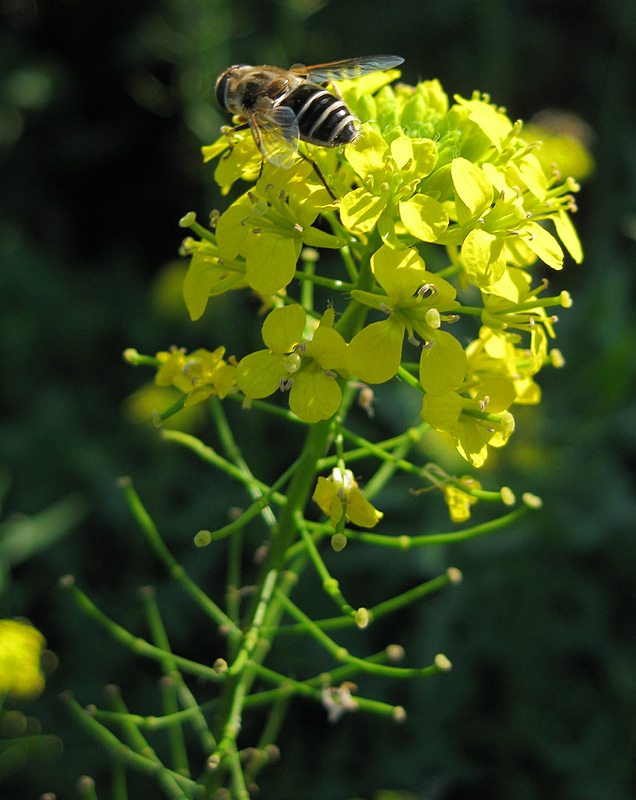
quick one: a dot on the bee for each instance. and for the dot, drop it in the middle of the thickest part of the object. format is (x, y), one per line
(281, 107)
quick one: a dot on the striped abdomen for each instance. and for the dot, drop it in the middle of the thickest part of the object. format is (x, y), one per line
(322, 118)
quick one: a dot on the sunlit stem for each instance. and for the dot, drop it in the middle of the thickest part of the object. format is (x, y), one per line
(411, 596)
(251, 637)
(234, 454)
(329, 584)
(405, 542)
(342, 655)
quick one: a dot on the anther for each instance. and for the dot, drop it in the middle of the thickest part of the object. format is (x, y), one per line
(427, 287)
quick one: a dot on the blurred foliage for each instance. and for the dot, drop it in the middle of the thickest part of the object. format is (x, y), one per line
(103, 108)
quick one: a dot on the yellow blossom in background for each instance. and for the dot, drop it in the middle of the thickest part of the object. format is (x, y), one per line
(149, 400)
(566, 141)
(20, 647)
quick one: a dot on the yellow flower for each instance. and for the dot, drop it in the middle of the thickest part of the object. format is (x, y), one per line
(20, 648)
(307, 368)
(339, 494)
(199, 374)
(459, 501)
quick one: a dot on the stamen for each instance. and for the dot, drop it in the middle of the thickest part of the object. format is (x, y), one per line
(427, 287)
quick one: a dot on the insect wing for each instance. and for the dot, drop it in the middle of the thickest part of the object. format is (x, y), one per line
(348, 69)
(276, 134)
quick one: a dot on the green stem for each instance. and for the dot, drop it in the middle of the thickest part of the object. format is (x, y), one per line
(405, 542)
(298, 494)
(135, 643)
(173, 784)
(174, 568)
(342, 655)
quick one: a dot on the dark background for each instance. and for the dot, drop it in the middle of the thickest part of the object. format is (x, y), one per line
(103, 108)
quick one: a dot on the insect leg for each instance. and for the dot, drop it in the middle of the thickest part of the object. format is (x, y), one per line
(227, 131)
(319, 174)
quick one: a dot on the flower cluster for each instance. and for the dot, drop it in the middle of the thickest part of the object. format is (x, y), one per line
(423, 172)
(199, 375)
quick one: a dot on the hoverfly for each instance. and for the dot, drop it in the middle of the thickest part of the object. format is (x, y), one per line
(281, 106)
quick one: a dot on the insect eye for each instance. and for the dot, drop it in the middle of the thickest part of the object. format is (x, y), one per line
(222, 81)
(221, 86)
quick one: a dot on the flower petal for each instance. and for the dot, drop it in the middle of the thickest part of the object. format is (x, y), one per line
(442, 366)
(284, 327)
(315, 396)
(271, 262)
(375, 352)
(259, 374)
